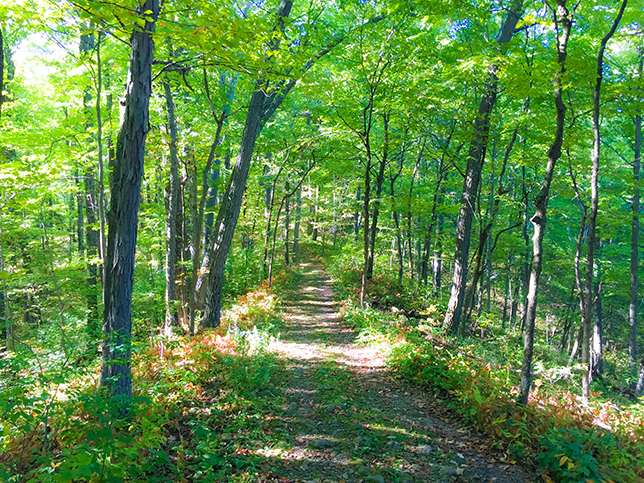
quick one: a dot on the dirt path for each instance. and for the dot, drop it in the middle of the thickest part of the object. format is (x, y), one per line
(348, 420)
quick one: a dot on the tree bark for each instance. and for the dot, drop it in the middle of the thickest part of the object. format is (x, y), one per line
(229, 210)
(124, 207)
(376, 208)
(172, 215)
(563, 22)
(592, 217)
(1, 71)
(296, 229)
(395, 215)
(287, 227)
(472, 180)
(597, 353)
(635, 231)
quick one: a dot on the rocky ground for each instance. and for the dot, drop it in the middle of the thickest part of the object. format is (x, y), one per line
(346, 419)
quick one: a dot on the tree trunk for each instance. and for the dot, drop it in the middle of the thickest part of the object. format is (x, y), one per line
(124, 207)
(262, 106)
(1, 71)
(376, 208)
(100, 195)
(356, 216)
(522, 289)
(296, 229)
(597, 354)
(80, 218)
(316, 230)
(635, 231)
(365, 221)
(196, 279)
(564, 24)
(287, 227)
(409, 215)
(472, 180)
(437, 257)
(93, 244)
(229, 210)
(592, 218)
(639, 387)
(172, 216)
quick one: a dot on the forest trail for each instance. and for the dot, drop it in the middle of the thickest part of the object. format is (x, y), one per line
(348, 420)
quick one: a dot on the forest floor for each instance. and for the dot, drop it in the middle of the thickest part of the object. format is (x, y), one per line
(347, 418)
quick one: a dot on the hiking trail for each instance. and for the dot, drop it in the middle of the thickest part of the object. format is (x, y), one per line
(347, 419)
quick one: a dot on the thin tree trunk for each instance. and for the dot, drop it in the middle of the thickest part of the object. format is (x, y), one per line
(575, 346)
(172, 215)
(1, 71)
(409, 214)
(437, 257)
(80, 218)
(597, 353)
(93, 246)
(101, 202)
(356, 215)
(315, 214)
(287, 227)
(592, 217)
(124, 207)
(365, 220)
(522, 289)
(635, 231)
(376, 208)
(296, 229)
(563, 22)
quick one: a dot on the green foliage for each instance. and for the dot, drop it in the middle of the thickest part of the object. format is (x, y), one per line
(574, 449)
(568, 454)
(196, 402)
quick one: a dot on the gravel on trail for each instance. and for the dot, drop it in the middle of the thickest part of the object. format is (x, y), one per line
(347, 419)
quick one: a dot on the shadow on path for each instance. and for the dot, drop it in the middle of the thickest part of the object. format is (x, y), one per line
(347, 420)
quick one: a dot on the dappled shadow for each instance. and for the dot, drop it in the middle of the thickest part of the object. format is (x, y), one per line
(344, 417)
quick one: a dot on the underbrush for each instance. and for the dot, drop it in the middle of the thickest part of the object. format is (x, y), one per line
(478, 378)
(553, 428)
(203, 409)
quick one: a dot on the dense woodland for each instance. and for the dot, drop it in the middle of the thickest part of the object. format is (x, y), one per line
(471, 167)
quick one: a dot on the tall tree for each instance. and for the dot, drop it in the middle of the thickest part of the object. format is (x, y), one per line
(587, 296)
(261, 107)
(264, 102)
(124, 207)
(563, 26)
(172, 213)
(635, 230)
(472, 180)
